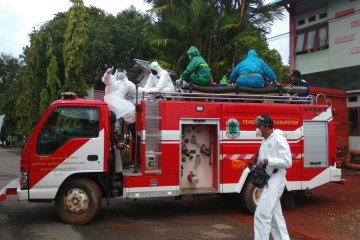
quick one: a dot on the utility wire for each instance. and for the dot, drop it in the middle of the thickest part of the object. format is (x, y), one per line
(334, 19)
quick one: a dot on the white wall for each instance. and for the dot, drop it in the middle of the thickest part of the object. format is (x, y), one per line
(319, 62)
(340, 53)
(344, 40)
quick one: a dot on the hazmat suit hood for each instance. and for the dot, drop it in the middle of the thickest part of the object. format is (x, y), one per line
(120, 75)
(278, 131)
(155, 66)
(193, 52)
(251, 53)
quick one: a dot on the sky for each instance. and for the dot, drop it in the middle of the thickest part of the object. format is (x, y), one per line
(18, 18)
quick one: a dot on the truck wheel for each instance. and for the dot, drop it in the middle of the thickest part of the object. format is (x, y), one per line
(78, 201)
(250, 197)
(287, 201)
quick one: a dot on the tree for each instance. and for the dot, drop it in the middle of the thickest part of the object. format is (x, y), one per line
(9, 90)
(50, 92)
(32, 80)
(75, 57)
(223, 30)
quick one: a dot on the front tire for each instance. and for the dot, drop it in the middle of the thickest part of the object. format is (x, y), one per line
(250, 197)
(78, 201)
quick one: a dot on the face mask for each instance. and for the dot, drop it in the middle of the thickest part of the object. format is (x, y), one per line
(258, 132)
(154, 72)
(120, 75)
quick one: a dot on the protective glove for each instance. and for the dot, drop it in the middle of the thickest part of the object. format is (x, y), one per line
(109, 70)
(106, 78)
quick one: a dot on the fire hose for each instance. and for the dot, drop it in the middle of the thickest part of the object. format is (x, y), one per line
(348, 162)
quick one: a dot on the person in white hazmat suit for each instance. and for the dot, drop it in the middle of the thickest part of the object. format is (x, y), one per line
(158, 81)
(117, 87)
(275, 156)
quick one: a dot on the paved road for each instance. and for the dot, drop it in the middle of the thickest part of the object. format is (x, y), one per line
(191, 219)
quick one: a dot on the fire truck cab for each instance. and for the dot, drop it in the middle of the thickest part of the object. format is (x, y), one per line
(187, 143)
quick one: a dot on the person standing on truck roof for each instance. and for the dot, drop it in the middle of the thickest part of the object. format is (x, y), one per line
(296, 80)
(117, 87)
(252, 72)
(159, 80)
(275, 156)
(197, 70)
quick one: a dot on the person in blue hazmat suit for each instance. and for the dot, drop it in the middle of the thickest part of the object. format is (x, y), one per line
(158, 81)
(197, 70)
(252, 72)
(296, 80)
(275, 156)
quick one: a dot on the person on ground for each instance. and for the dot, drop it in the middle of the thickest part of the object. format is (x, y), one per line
(297, 81)
(3, 135)
(197, 70)
(275, 156)
(117, 87)
(252, 72)
(158, 81)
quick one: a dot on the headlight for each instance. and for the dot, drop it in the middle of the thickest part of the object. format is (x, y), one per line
(24, 181)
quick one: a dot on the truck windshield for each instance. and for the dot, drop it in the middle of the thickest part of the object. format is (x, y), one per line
(64, 124)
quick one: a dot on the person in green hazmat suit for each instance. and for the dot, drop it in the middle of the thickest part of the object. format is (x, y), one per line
(197, 70)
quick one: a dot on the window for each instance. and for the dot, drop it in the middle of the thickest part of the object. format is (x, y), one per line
(354, 116)
(301, 22)
(312, 19)
(323, 15)
(64, 124)
(352, 99)
(322, 37)
(300, 42)
(312, 39)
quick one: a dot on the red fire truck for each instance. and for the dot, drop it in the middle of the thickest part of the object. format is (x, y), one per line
(187, 144)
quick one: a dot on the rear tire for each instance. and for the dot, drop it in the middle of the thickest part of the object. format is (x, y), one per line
(287, 201)
(78, 201)
(250, 196)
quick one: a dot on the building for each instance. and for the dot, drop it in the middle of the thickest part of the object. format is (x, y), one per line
(325, 46)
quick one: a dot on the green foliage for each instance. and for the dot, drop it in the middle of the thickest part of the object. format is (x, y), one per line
(219, 30)
(44, 100)
(32, 81)
(53, 82)
(75, 57)
(9, 90)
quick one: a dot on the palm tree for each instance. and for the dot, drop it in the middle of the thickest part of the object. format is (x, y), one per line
(217, 28)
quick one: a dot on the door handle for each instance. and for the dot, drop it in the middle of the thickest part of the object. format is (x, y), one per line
(92, 157)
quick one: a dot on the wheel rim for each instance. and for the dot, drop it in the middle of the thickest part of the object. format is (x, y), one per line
(256, 195)
(76, 200)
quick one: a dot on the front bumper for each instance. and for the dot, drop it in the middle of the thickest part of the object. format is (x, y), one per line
(335, 174)
(10, 189)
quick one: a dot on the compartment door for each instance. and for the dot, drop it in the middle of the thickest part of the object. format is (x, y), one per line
(199, 156)
(316, 140)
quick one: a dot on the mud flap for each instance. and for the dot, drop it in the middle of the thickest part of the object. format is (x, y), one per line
(9, 189)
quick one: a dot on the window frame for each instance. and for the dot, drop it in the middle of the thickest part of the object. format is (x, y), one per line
(316, 46)
(357, 133)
